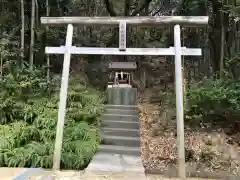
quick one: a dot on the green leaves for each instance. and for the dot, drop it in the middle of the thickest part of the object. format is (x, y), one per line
(214, 102)
(28, 114)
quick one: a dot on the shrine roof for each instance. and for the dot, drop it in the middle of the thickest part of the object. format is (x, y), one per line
(122, 65)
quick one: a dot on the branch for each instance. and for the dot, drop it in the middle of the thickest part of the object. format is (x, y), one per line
(110, 8)
(144, 5)
(158, 11)
(127, 7)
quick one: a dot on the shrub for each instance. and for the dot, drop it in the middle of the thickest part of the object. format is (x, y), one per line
(213, 102)
(28, 112)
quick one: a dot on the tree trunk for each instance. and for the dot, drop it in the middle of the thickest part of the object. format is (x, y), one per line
(37, 13)
(215, 35)
(31, 53)
(47, 56)
(222, 46)
(22, 33)
(1, 64)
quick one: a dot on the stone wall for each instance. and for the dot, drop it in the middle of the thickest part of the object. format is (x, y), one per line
(122, 96)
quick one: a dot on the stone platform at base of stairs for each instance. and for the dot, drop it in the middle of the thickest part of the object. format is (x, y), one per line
(115, 176)
(107, 162)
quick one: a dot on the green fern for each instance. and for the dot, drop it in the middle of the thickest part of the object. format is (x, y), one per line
(29, 113)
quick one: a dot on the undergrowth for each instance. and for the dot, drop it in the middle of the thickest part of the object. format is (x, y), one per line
(28, 118)
(214, 103)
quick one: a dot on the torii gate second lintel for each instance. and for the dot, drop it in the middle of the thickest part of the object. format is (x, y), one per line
(177, 51)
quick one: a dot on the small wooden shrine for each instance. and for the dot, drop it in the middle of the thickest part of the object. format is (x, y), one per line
(120, 74)
(120, 90)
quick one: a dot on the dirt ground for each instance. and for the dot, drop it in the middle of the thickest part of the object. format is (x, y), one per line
(208, 152)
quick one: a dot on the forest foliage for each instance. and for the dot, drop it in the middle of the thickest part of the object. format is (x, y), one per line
(214, 102)
(28, 111)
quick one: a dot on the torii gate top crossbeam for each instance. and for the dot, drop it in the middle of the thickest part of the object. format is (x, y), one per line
(191, 21)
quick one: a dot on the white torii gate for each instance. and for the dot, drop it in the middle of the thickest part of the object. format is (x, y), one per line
(122, 22)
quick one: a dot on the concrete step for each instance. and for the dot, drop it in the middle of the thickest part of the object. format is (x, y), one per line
(121, 107)
(134, 151)
(120, 111)
(115, 166)
(120, 117)
(121, 141)
(121, 132)
(121, 124)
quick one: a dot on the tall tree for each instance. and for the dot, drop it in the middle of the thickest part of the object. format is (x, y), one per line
(22, 31)
(47, 57)
(31, 52)
(37, 13)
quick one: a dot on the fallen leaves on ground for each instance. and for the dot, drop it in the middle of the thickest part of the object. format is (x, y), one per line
(205, 151)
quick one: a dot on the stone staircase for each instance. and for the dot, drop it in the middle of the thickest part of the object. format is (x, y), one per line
(120, 130)
(120, 149)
